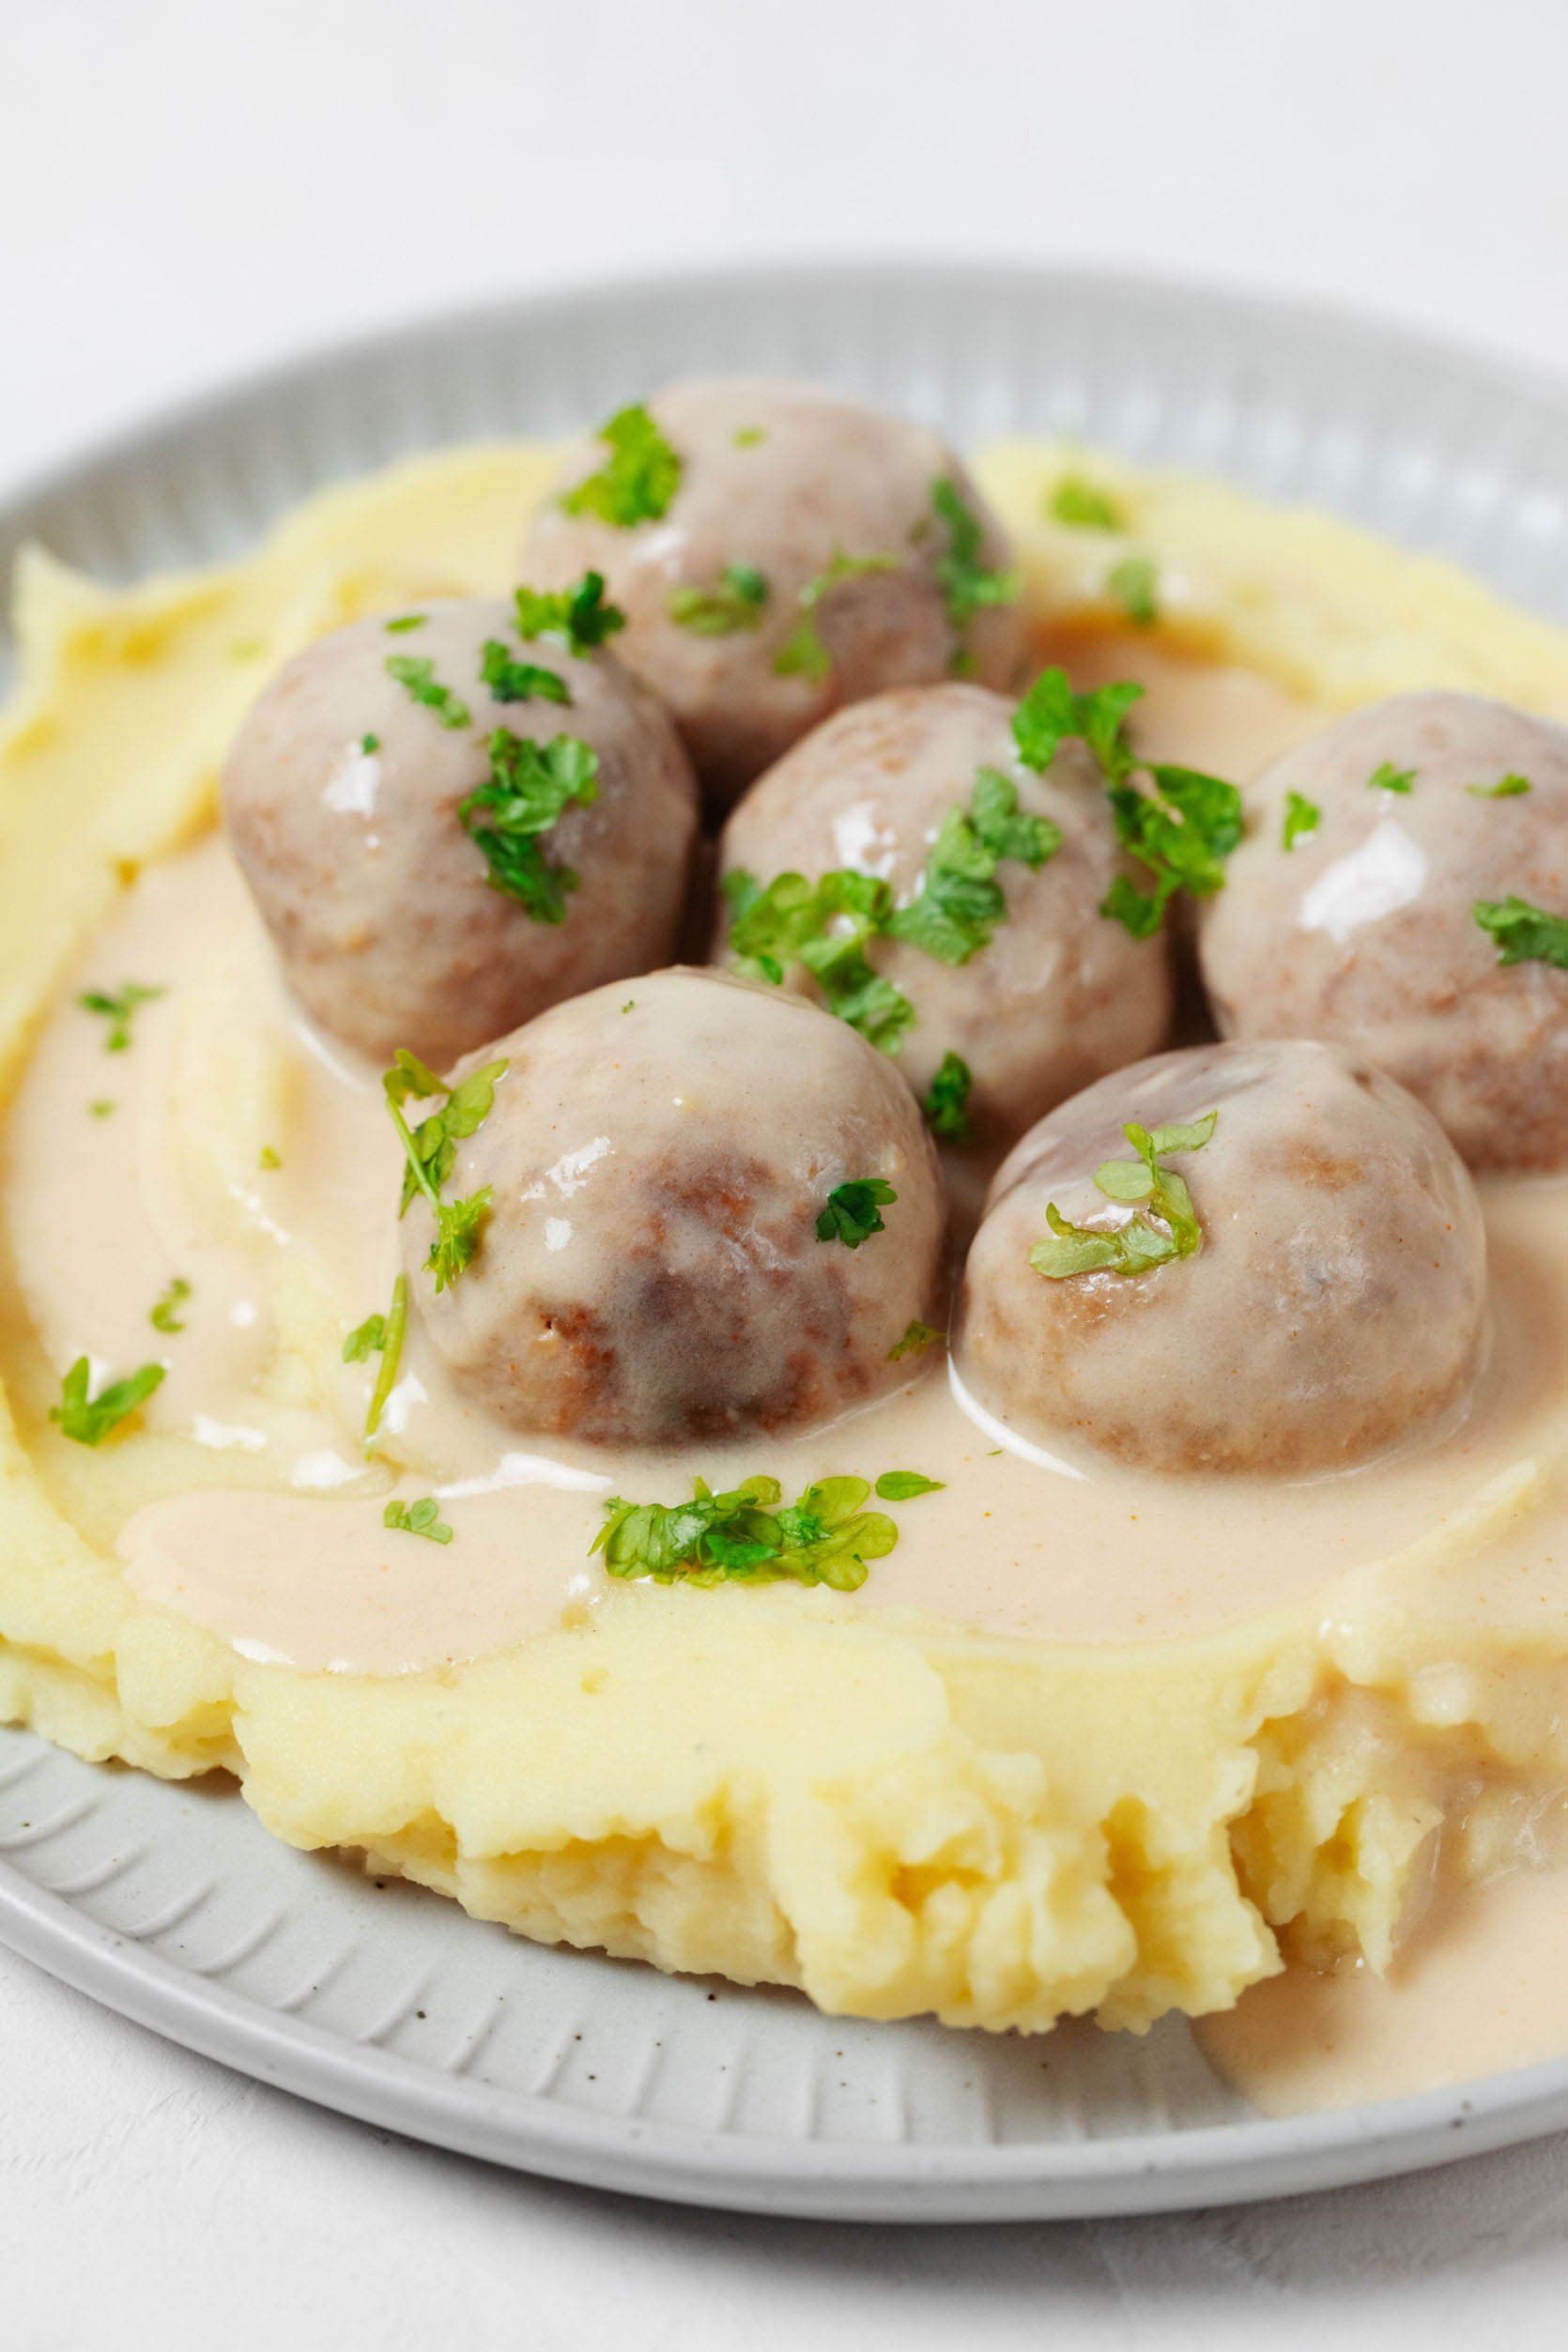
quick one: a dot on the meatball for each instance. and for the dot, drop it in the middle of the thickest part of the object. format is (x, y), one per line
(1366, 930)
(829, 518)
(1334, 1307)
(650, 1271)
(341, 797)
(1060, 993)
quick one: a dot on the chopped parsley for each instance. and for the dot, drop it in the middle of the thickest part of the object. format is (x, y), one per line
(904, 1485)
(370, 742)
(946, 1102)
(735, 604)
(431, 1151)
(967, 586)
(852, 1211)
(915, 1341)
(1386, 777)
(748, 435)
(416, 674)
(1135, 585)
(1140, 1244)
(164, 1314)
(418, 1519)
(1506, 787)
(88, 1420)
(383, 1333)
(1524, 933)
(117, 1006)
(1082, 507)
(268, 1158)
(511, 681)
(960, 904)
(578, 619)
(1301, 817)
(638, 480)
(745, 1536)
(529, 787)
(1181, 827)
(803, 653)
(102, 1109)
(790, 921)
(404, 622)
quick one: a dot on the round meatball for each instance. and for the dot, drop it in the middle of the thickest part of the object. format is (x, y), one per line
(651, 1270)
(1334, 1308)
(1366, 930)
(342, 798)
(1060, 993)
(798, 488)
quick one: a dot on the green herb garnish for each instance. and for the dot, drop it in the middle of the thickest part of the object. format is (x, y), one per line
(416, 674)
(904, 1485)
(268, 1158)
(1079, 505)
(385, 1333)
(946, 1102)
(370, 742)
(577, 618)
(1524, 933)
(117, 1006)
(735, 604)
(747, 436)
(741, 1536)
(1135, 585)
(431, 1151)
(102, 1109)
(1050, 712)
(636, 482)
(164, 1314)
(403, 623)
(959, 903)
(1301, 817)
(1506, 787)
(89, 1420)
(1386, 777)
(915, 1341)
(511, 681)
(967, 586)
(365, 1340)
(418, 1519)
(804, 655)
(530, 788)
(824, 925)
(1140, 1244)
(852, 1211)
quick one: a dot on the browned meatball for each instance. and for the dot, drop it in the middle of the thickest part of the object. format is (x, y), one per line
(1060, 993)
(796, 488)
(1334, 1308)
(652, 1271)
(1366, 930)
(341, 797)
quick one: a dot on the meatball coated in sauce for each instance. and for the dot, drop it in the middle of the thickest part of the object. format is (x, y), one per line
(786, 479)
(1061, 992)
(1365, 930)
(651, 1271)
(1335, 1309)
(341, 796)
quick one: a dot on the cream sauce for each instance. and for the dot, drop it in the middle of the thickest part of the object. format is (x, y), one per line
(1481, 1989)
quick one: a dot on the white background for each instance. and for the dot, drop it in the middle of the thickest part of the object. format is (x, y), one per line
(186, 190)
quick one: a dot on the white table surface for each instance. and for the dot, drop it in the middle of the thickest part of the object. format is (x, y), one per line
(188, 190)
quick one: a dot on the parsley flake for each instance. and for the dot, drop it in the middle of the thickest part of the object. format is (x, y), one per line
(735, 604)
(959, 903)
(268, 1158)
(117, 1006)
(852, 1211)
(824, 925)
(1301, 817)
(431, 1152)
(1140, 1244)
(418, 1519)
(904, 1485)
(511, 681)
(102, 1109)
(370, 742)
(365, 1340)
(1524, 933)
(578, 619)
(1506, 787)
(638, 479)
(416, 674)
(1386, 777)
(1135, 585)
(384, 1333)
(404, 622)
(164, 1314)
(967, 585)
(88, 1420)
(945, 1103)
(803, 653)
(1082, 507)
(531, 786)
(744, 1536)
(916, 1339)
(748, 435)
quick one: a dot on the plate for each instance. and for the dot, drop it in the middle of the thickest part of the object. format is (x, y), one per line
(169, 1903)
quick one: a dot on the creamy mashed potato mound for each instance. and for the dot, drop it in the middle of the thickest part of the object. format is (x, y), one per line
(895, 1811)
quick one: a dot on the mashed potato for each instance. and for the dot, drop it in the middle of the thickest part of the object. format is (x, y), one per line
(893, 1811)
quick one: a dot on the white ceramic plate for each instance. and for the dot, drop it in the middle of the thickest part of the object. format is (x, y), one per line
(169, 1903)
